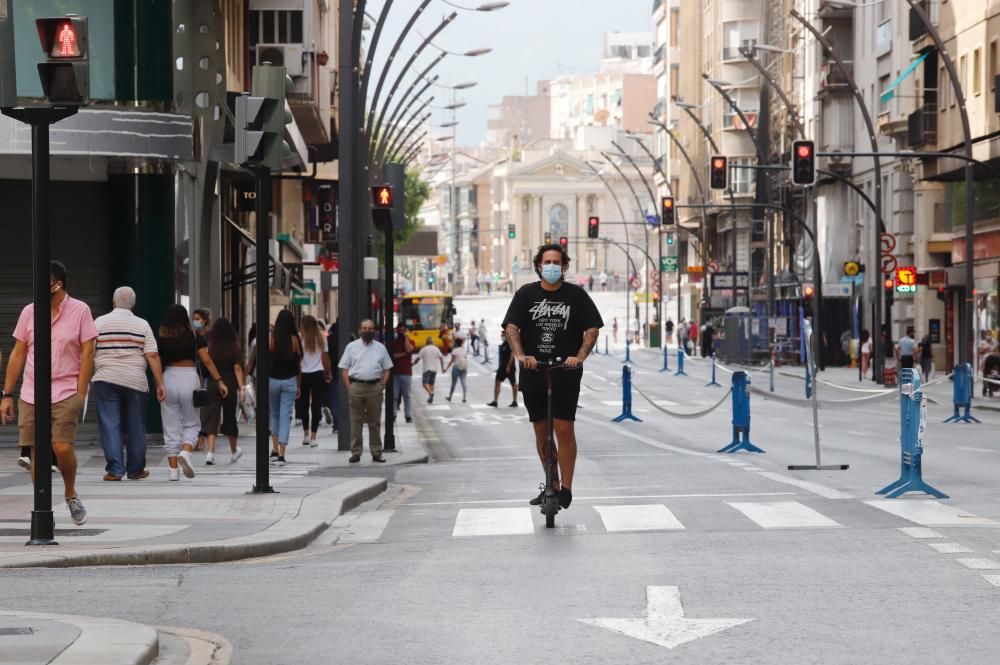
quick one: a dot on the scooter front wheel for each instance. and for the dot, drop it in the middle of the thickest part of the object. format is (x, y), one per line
(549, 508)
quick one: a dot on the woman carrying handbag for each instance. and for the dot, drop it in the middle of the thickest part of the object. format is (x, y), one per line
(180, 352)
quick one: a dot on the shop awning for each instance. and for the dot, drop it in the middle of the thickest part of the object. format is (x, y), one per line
(890, 92)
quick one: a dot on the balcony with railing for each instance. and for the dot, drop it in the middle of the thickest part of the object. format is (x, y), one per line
(922, 126)
(917, 27)
(659, 55)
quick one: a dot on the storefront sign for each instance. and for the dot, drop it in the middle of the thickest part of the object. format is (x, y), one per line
(906, 279)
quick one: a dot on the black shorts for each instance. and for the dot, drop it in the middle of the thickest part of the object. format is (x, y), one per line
(504, 376)
(563, 404)
(428, 377)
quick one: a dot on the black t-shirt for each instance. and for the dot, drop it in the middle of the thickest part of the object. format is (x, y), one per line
(504, 356)
(176, 349)
(552, 324)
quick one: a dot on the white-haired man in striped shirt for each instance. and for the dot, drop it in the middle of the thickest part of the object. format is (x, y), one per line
(125, 346)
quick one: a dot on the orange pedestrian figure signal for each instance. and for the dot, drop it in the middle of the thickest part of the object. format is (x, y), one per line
(382, 196)
(66, 45)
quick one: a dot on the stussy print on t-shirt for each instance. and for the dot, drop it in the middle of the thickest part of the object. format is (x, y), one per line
(552, 323)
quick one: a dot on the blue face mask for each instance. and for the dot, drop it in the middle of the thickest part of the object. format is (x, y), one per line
(552, 273)
(198, 324)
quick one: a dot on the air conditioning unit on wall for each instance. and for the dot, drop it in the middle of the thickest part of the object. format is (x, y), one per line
(288, 56)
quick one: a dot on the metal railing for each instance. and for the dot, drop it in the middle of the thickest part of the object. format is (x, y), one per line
(922, 126)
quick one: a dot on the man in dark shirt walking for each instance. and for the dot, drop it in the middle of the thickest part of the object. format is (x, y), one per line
(506, 371)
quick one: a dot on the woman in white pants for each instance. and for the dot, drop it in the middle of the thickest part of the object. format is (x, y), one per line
(180, 349)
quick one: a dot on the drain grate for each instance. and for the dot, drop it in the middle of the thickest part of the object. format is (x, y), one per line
(69, 533)
(17, 630)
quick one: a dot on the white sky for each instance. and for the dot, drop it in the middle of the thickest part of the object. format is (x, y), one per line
(531, 40)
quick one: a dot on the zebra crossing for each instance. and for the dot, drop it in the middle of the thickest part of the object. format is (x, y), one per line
(720, 515)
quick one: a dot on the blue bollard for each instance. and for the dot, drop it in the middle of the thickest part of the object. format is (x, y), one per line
(713, 382)
(741, 416)
(680, 363)
(962, 392)
(626, 413)
(628, 355)
(666, 360)
(911, 406)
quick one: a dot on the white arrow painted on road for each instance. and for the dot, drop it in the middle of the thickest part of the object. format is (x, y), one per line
(665, 624)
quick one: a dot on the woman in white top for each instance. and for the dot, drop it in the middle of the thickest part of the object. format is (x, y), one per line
(866, 351)
(316, 377)
(459, 365)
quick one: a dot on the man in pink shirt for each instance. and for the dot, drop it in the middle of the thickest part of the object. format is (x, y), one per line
(73, 336)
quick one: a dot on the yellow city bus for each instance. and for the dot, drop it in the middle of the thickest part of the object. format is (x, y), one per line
(423, 313)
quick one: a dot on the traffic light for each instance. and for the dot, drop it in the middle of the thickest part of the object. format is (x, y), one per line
(593, 227)
(65, 71)
(803, 162)
(719, 173)
(808, 292)
(511, 231)
(670, 238)
(564, 242)
(667, 217)
(382, 196)
(548, 237)
(261, 118)
(890, 291)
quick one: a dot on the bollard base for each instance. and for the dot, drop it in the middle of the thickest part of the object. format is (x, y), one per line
(963, 418)
(43, 529)
(741, 443)
(266, 489)
(713, 383)
(680, 372)
(626, 416)
(818, 467)
(901, 487)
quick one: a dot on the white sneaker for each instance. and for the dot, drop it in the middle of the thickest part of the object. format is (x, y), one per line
(313, 443)
(24, 463)
(173, 474)
(305, 441)
(209, 459)
(236, 455)
(184, 460)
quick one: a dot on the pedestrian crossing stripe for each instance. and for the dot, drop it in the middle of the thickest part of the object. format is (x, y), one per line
(650, 517)
(783, 515)
(929, 512)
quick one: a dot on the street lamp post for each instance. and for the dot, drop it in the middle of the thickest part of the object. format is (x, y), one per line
(879, 226)
(967, 349)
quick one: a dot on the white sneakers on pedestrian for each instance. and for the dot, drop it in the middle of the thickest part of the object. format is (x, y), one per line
(313, 443)
(236, 455)
(184, 460)
(173, 473)
(209, 459)
(24, 463)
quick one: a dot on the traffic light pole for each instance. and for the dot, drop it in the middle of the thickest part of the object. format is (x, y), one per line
(389, 440)
(42, 521)
(262, 179)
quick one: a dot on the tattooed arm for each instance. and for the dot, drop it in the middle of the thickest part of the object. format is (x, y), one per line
(589, 342)
(514, 339)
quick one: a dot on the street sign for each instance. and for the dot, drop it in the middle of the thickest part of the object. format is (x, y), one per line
(713, 266)
(888, 242)
(851, 268)
(888, 264)
(724, 281)
(696, 270)
(668, 264)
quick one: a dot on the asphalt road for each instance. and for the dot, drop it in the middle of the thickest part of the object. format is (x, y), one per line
(451, 565)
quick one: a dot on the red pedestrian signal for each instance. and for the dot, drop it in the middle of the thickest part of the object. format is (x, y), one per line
(382, 196)
(719, 173)
(667, 212)
(593, 227)
(564, 242)
(65, 71)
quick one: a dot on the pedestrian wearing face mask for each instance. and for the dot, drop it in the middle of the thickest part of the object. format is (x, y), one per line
(365, 369)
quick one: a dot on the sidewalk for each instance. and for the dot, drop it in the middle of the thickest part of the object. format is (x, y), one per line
(209, 518)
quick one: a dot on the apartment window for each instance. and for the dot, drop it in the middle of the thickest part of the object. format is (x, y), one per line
(993, 66)
(944, 87)
(675, 19)
(883, 83)
(741, 180)
(977, 71)
(276, 27)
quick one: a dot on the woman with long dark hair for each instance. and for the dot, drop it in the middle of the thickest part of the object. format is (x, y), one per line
(180, 349)
(284, 381)
(315, 377)
(224, 349)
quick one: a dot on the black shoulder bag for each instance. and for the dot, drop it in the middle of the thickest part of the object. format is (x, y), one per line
(200, 395)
